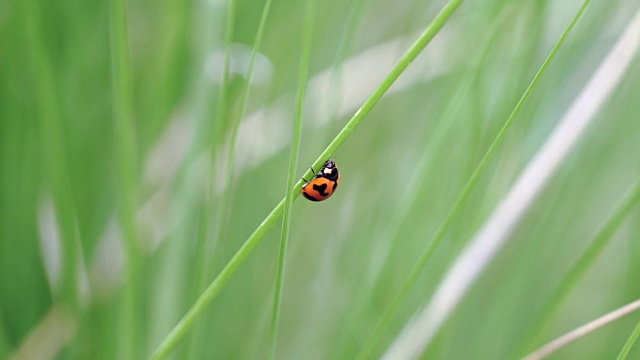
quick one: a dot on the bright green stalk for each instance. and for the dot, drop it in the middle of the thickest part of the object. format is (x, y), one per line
(629, 344)
(126, 169)
(206, 253)
(224, 201)
(235, 126)
(293, 161)
(208, 135)
(187, 322)
(223, 112)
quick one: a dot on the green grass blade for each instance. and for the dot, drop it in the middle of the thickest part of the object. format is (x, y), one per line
(129, 347)
(206, 252)
(577, 271)
(629, 344)
(174, 337)
(583, 330)
(457, 205)
(295, 152)
(198, 308)
(207, 132)
(222, 214)
(225, 199)
(222, 113)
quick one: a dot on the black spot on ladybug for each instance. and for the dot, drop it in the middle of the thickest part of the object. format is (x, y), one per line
(309, 197)
(321, 189)
(335, 185)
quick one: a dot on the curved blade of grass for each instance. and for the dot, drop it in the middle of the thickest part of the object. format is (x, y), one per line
(222, 113)
(407, 202)
(129, 346)
(204, 261)
(295, 151)
(375, 335)
(225, 199)
(629, 344)
(583, 330)
(495, 232)
(581, 266)
(226, 195)
(178, 332)
(335, 88)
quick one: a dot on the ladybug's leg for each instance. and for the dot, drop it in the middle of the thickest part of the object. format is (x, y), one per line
(314, 174)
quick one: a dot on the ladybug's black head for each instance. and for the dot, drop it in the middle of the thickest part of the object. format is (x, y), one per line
(329, 171)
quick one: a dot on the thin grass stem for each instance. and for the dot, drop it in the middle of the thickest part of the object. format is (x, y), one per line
(187, 322)
(497, 229)
(582, 331)
(234, 123)
(457, 205)
(295, 152)
(624, 352)
(577, 271)
(206, 251)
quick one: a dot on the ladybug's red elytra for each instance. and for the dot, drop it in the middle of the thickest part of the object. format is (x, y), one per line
(323, 184)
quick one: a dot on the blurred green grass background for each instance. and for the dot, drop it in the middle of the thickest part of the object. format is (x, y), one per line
(62, 182)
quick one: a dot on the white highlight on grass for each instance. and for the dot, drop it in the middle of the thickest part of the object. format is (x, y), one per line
(583, 330)
(419, 332)
(48, 337)
(107, 268)
(239, 65)
(51, 248)
(50, 241)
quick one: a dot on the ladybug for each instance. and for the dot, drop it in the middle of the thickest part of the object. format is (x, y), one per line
(323, 184)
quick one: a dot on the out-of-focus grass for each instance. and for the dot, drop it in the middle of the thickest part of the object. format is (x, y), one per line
(59, 160)
(291, 194)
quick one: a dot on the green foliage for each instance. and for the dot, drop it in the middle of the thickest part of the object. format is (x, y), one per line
(122, 138)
